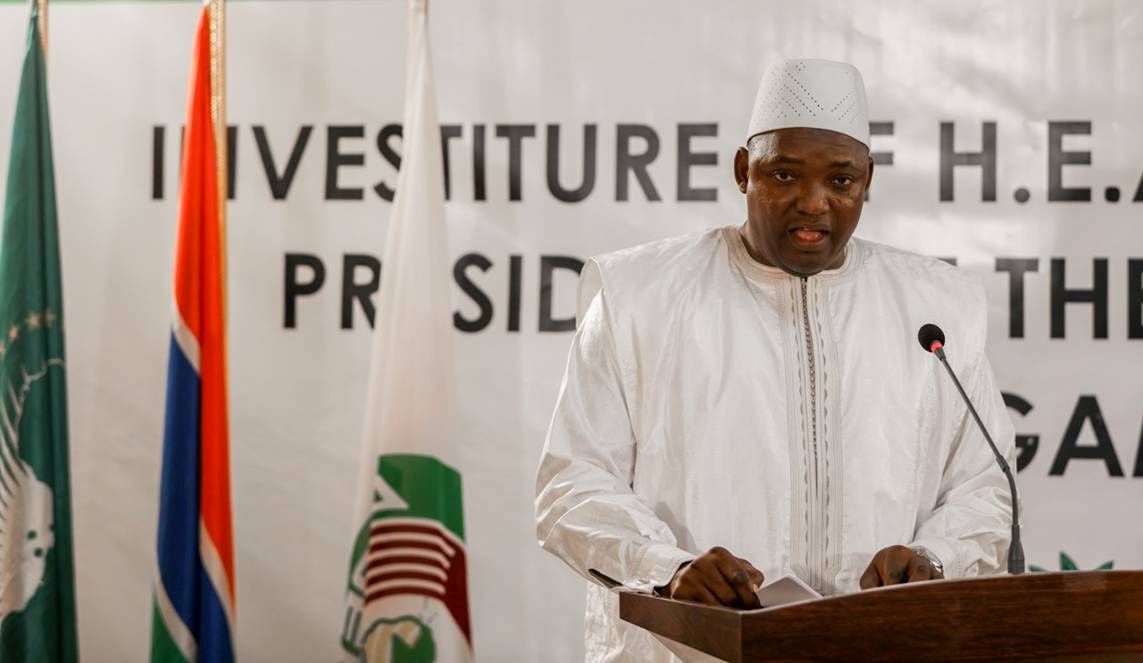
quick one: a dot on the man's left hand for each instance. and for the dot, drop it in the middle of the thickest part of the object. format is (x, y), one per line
(895, 565)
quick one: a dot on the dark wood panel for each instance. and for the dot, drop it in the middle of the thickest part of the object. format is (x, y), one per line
(716, 631)
(1064, 616)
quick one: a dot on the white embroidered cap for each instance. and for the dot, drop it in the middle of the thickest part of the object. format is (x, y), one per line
(817, 94)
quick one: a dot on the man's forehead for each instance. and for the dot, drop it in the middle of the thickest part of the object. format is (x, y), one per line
(795, 145)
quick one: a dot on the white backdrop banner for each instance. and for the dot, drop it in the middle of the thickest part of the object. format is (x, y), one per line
(1007, 135)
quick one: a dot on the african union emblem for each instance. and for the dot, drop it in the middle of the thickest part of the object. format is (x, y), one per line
(36, 580)
(26, 533)
(407, 571)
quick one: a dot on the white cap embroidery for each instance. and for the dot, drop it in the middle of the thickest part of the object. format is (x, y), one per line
(817, 94)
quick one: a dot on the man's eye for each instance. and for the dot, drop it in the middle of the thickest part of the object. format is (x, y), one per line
(844, 180)
(784, 176)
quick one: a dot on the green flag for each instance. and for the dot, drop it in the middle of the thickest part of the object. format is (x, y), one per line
(37, 586)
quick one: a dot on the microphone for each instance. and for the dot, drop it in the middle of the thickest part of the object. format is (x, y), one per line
(932, 339)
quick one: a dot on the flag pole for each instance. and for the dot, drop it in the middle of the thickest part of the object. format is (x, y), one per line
(221, 152)
(218, 119)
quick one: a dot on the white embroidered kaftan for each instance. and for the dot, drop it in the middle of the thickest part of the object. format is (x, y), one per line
(713, 401)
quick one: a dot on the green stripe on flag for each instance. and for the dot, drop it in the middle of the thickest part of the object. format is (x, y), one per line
(163, 647)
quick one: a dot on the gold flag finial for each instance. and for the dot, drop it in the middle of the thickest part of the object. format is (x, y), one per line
(42, 19)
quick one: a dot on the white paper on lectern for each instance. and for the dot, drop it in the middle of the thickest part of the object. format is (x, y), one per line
(784, 590)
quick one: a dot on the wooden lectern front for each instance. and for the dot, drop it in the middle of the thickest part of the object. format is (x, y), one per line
(1073, 616)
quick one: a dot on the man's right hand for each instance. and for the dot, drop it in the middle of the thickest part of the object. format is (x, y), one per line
(717, 578)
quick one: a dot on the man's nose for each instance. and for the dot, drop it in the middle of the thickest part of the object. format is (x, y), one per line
(813, 200)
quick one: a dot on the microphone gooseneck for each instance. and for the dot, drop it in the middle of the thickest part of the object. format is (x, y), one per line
(932, 339)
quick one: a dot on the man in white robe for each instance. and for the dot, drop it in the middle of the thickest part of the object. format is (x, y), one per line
(751, 401)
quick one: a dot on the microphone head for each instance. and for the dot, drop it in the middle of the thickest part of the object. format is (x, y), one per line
(929, 336)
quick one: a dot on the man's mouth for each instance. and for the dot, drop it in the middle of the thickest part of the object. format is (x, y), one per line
(808, 236)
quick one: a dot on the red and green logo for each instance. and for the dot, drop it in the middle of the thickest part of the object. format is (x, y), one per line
(408, 566)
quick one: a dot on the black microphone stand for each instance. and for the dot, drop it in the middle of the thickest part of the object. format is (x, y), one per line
(1016, 550)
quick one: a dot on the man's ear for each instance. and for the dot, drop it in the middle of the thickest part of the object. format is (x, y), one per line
(869, 177)
(742, 167)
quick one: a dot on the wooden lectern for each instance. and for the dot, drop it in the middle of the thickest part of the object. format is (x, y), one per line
(1074, 616)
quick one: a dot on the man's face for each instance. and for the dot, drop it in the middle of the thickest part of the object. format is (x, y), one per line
(804, 192)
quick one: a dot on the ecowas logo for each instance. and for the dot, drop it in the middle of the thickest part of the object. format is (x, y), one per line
(408, 585)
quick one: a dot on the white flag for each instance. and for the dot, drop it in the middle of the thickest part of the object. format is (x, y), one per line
(407, 596)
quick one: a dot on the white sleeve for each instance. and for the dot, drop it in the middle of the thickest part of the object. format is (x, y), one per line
(586, 512)
(970, 529)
